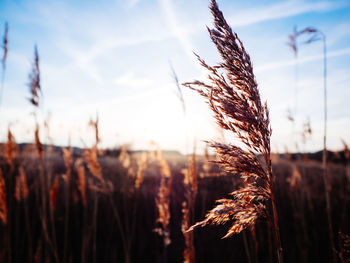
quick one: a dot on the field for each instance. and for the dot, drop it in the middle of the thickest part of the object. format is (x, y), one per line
(90, 231)
(235, 198)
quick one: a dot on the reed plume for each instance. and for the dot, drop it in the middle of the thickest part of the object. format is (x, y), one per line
(124, 157)
(141, 168)
(21, 190)
(346, 151)
(53, 193)
(163, 200)
(11, 148)
(79, 167)
(34, 80)
(295, 180)
(94, 125)
(4, 46)
(179, 92)
(91, 159)
(189, 252)
(208, 165)
(234, 98)
(190, 177)
(314, 35)
(38, 144)
(68, 161)
(3, 206)
(188, 207)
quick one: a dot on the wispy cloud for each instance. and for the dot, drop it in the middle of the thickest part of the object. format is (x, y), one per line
(131, 81)
(291, 62)
(280, 10)
(132, 3)
(178, 30)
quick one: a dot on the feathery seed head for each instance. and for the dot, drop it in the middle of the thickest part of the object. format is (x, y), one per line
(233, 96)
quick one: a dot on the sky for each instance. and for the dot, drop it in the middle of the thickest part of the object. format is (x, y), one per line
(113, 59)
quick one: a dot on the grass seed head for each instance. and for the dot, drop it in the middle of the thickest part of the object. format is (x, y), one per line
(5, 42)
(34, 80)
(79, 167)
(11, 148)
(233, 96)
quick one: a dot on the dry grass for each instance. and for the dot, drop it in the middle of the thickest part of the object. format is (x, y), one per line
(116, 221)
(38, 144)
(141, 168)
(11, 148)
(163, 199)
(188, 207)
(79, 167)
(90, 156)
(4, 46)
(3, 205)
(34, 80)
(21, 190)
(53, 193)
(233, 96)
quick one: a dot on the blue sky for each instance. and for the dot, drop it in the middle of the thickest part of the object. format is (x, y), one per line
(112, 57)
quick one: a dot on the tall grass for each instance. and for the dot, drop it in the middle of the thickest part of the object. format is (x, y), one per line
(314, 35)
(233, 96)
(4, 46)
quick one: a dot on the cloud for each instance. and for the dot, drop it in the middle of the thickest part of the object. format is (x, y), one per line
(181, 34)
(291, 62)
(280, 10)
(132, 3)
(129, 80)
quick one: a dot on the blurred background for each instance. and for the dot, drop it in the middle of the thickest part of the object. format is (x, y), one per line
(102, 153)
(114, 58)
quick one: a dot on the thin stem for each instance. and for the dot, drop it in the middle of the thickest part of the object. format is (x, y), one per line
(246, 247)
(324, 156)
(28, 228)
(2, 84)
(276, 229)
(66, 220)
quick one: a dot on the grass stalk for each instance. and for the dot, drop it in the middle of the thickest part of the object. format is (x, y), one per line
(233, 96)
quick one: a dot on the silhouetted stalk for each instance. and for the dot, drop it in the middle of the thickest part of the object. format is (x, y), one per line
(29, 232)
(316, 35)
(66, 219)
(246, 247)
(234, 98)
(276, 229)
(3, 60)
(95, 227)
(324, 157)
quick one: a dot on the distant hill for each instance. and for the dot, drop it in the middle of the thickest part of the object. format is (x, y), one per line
(334, 157)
